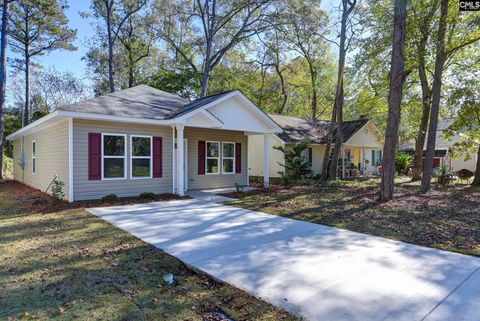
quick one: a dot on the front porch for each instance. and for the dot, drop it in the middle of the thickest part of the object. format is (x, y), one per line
(359, 161)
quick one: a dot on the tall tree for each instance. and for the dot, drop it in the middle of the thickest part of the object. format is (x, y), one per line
(343, 46)
(397, 78)
(115, 13)
(208, 30)
(36, 28)
(3, 75)
(436, 95)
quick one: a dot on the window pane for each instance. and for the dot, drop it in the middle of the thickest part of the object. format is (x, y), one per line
(228, 165)
(212, 165)
(140, 168)
(141, 146)
(212, 149)
(34, 165)
(228, 150)
(113, 167)
(34, 148)
(113, 145)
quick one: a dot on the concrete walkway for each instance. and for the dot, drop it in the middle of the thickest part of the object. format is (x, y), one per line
(319, 272)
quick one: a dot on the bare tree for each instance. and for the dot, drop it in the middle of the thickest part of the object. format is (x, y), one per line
(397, 78)
(115, 13)
(347, 8)
(223, 25)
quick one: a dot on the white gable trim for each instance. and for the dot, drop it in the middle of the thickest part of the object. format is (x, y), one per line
(275, 128)
(377, 132)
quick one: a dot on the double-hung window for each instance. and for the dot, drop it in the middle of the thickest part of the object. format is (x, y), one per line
(228, 158)
(212, 158)
(141, 156)
(34, 159)
(114, 156)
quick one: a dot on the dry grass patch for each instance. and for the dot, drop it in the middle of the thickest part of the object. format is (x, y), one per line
(71, 265)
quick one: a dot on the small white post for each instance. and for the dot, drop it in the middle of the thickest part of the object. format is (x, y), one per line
(266, 160)
(343, 162)
(180, 161)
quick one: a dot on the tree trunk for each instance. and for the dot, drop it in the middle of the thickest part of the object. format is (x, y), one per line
(26, 111)
(111, 82)
(436, 95)
(426, 101)
(476, 179)
(326, 156)
(3, 76)
(313, 80)
(131, 66)
(397, 78)
(332, 172)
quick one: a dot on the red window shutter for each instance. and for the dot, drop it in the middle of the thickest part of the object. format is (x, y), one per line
(201, 157)
(94, 156)
(157, 156)
(238, 158)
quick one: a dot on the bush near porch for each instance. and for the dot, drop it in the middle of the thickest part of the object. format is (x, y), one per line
(447, 218)
(62, 263)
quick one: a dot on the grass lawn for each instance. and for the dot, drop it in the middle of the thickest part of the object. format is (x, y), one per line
(447, 218)
(62, 263)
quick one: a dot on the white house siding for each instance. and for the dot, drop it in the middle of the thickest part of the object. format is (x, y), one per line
(366, 137)
(93, 189)
(255, 155)
(195, 181)
(51, 157)
(461, 163)
(234, 114)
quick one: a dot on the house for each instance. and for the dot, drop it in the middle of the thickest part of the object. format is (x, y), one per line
(361, 153)
(442, 148)
(139, 140)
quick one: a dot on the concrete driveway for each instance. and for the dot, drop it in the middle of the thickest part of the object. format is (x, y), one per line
(319, 272)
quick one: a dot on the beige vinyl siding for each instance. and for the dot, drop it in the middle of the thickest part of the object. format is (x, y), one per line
(255, 155)
(195, 181)
(93, 189)
(51, 157)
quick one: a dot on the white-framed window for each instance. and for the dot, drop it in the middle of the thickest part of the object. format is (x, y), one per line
(212, 157)
(228, 158)
(114, 156)
(141, 151)
(34, 157)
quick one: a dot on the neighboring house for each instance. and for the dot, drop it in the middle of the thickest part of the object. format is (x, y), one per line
(141, 140)
(442, 147)
(361, 153)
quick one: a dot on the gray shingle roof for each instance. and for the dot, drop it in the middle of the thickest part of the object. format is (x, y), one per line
(141, 102)
(317, 132)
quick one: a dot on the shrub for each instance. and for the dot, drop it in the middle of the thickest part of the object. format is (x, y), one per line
(147, 195)
(402, 160)
(296, 167)
(238, 188)
(57, 190)
(109, 198)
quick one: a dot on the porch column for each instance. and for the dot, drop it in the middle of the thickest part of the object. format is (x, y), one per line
(363, 161)
(266, 160)
(343, 162)
(180, 161)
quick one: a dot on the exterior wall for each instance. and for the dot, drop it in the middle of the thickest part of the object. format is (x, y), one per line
(460, 163)
(318, 152)
(84, 189)
(51, 157)
(195, 181)
(367, 137)
(255, 156)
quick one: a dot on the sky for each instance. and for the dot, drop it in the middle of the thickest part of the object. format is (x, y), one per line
(72, 60)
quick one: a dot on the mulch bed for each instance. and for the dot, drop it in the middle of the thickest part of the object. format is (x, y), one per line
(37, 201)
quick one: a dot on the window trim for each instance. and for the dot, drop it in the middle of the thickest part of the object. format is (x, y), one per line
(34, 158)
(232, 158)
(218, 158)
(124, 157)
(141, 157)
